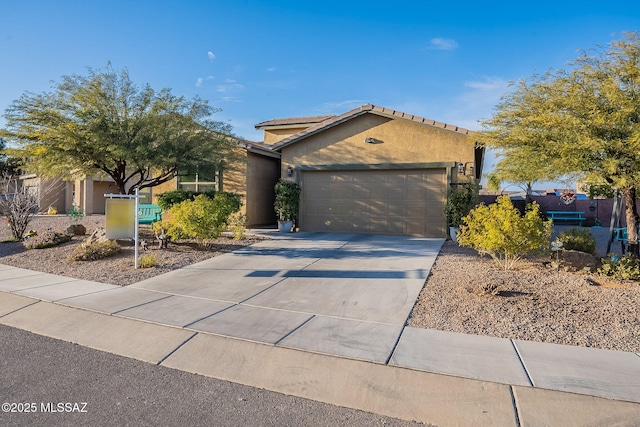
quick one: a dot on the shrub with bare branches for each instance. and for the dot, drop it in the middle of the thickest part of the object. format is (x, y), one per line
(19, 203)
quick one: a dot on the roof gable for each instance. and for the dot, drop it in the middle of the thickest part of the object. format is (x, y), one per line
(292, 122)
(332, 121)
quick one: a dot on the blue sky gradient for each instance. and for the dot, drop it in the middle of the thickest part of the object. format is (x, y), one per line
(260, 60)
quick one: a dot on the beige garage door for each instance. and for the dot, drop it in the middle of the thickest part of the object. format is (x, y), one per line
(374, 201)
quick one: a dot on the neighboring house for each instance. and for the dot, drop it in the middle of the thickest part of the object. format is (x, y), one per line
(369, 170)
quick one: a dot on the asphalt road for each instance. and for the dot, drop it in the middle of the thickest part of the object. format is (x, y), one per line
(89, 387)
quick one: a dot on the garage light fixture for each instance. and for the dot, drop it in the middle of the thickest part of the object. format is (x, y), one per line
(373, 141)
(289, 171)
(462, 168)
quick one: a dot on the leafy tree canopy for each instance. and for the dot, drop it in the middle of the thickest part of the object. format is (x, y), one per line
(583, 121)
(103, 124)
(9, 166)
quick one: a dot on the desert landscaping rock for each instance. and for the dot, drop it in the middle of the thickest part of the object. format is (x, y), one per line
(97, 236)
(578, 261)
(77, 230)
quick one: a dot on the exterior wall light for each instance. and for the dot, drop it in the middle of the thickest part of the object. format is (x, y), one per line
(463, 169)
(289, 171)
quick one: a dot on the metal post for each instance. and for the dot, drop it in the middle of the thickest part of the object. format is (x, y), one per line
(136, 234)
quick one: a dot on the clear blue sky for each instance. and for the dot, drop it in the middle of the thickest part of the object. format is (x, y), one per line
(259, 60)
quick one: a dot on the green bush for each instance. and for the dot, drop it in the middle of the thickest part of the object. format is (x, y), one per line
(201, 219)
(499, 231)
(170, 198)
(95, 251)
(237, 224)
(147, 261)
(461, 199)
(626, 267)
(46, 240)
(287, 203)
(578, 240)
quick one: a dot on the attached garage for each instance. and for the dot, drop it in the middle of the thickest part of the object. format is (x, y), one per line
(393, 201)
(372, 169)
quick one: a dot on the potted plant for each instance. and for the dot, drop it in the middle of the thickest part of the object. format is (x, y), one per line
(462, 198)
(287, 204)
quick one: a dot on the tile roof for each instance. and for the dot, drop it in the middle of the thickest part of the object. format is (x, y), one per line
(368, 108)
(309, 120)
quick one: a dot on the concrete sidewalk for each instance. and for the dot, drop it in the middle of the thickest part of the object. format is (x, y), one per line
(276, 315)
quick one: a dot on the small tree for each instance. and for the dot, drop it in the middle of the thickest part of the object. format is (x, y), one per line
(103, 124)
(499, 231)
(287, 204)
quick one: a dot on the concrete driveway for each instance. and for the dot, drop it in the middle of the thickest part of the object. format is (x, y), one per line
(338, 294)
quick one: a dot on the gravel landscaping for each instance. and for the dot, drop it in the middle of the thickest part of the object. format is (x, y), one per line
(117, 270)
(464, 293)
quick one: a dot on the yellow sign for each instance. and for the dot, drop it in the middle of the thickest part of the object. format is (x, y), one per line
(120, 222)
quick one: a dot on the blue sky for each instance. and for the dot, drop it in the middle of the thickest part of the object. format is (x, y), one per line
(259, 60)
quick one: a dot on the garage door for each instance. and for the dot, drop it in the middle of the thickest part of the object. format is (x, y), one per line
(409, 202)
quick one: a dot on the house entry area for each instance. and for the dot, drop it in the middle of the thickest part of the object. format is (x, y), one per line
(378, 201)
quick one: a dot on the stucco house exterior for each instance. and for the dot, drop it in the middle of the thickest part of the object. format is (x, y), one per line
(369, 170)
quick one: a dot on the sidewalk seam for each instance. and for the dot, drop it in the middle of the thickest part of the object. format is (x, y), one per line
(176, 349)
(21, 308)
(295, 329)
(138, 305)
(393, 350)
(210, 315)
(524, 366)
(515, 405)
(264, 290)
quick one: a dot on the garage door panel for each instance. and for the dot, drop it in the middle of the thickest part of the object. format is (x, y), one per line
(374, 201)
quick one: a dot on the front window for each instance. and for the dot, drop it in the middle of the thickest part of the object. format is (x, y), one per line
(200, 179)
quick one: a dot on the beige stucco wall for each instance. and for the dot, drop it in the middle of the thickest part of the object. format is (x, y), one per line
(170, 185)
(52, 193)
(404, 142)
(261, 177)
(271, 136)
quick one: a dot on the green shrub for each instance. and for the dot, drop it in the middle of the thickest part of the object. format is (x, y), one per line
(201, 219)
(499, 231)
(46, 240)
(95, 251)
(147, 261)
(578, 240)
(170, 198)
(461, 199)
(626, 267)
(287, 203)
(237, 224)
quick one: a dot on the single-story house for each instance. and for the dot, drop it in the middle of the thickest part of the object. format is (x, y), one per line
(369, 170)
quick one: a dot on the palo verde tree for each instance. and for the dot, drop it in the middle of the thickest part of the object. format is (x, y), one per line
(584, 121)
(522, 169)
(103, 124)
